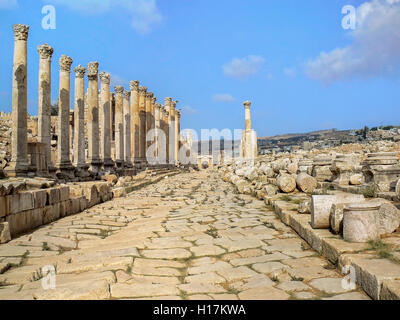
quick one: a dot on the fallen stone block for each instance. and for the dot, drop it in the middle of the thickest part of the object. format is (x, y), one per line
(306, 183)
(321, 207)
(360, 222)
(286, 182)
(119, 192)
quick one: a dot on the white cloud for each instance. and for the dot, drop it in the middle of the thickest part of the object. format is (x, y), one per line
(145, 13)
(223, 97)
(290, 72)
(375, 47)
(8, 4)
(189, 110)
(244, 67)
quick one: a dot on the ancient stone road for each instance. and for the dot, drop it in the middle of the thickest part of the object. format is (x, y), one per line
(187, 237)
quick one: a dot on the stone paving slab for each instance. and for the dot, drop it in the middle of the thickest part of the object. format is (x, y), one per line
(186, 237)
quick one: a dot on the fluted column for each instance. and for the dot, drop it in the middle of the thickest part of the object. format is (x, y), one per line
(135, 120)
(63, 150)
(119, 126)
(19, 138)
(44, 104)
(93, 117)
(79, 118)
(142, 119)
(175, 132)
(127, 129)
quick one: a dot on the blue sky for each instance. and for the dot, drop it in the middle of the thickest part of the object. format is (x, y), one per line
(291, 58)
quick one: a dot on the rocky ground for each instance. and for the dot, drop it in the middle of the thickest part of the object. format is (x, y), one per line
(190, 236)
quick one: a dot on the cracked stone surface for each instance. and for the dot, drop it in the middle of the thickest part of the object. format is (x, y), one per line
(190, 236)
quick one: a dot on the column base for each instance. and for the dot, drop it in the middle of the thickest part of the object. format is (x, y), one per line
(108, 165)
(65, 170)
(16, 169)
(95, 165)
(82, 170)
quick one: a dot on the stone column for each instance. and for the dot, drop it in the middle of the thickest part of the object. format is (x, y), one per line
(19, 138)
(112, 125)
(44, 105)
(178, 133)
(166, 130)
(79, 118)
(149, 97)
(157, 123)
(105, 116)
(127, 129)
(64, 165)
(93, 117)
(119, 126)
(142, 119)
(171, 136)
(248, 148)
(135, 120)
(247, 115)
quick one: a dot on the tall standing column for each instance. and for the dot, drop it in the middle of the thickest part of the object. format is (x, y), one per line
(157, 124)
(19, 138)
(142, 119)
(79, 118)
(171, 136)
(166, 128)
(149, 97)
(247, 116)
(127, 129)
(93, 117)
(178, 133)
(135, 121)
(119, 126)
(63, 152)
(105, 111)
(44, 105)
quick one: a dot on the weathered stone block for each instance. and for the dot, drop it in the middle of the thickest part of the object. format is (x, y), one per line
(3, 207)
(83, 203)
(360, 222)
(321, 207)
(40, 198)
(5, 234)
(64, 193)
(53, 196)
(34, 218)
(17, 223)
(26, 201)
(13, 204)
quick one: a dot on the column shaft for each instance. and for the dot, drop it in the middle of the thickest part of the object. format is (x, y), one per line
(127, 129)
(44, 104)
(19, 138)
(105, 112)
(79, 117)
(63, 151)
(93, 116)
(119, 126)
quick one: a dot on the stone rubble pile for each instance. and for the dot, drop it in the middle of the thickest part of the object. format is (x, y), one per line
(352, 194)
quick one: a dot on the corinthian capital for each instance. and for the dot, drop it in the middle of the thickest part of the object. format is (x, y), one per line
(20, 32)
(93, 69)
(45, 51)
(149, 95)
(247, 104)
(79, 71)
(104, 77)
(153, 100)
(142, 91)
(167, 101)
(119, 89)
(134, 85)
(65, 63)
(127, 95)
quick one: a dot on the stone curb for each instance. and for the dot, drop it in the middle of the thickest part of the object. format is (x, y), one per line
(379, 278)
